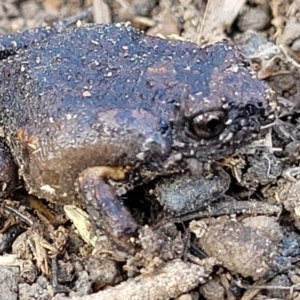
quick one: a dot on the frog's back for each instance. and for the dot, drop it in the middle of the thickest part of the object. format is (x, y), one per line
(100, 67)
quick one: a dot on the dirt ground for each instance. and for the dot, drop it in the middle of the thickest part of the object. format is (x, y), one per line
(243, 245)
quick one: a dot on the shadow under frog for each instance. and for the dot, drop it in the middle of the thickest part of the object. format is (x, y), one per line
(104, 103)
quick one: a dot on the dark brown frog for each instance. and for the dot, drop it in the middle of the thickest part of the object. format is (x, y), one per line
(105, 103)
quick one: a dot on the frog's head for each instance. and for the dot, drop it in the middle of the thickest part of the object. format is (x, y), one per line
(228, 111)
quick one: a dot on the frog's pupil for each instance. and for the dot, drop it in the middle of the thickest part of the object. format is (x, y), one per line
(212, 125)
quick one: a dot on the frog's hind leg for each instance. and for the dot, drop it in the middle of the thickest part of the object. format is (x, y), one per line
(8, 170)
(105, 209)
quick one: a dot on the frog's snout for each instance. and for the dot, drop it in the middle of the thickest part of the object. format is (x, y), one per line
(255, 116)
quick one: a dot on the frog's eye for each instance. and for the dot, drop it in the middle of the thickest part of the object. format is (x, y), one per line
(208, 125)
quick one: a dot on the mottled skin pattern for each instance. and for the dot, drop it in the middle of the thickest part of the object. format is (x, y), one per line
(111, 96)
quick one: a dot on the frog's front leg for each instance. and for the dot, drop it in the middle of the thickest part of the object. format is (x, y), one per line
(106, 211)
(135, 139)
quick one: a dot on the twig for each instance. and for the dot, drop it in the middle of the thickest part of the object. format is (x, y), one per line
(21, 216)
(295, 287)
(202, 23)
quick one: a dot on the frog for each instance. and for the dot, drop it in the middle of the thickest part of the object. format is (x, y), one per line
(89, 113)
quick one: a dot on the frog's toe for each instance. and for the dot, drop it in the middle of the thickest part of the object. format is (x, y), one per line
(105, 209)
(8, 170)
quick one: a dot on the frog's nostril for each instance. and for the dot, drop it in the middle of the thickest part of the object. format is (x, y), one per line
(259, 104)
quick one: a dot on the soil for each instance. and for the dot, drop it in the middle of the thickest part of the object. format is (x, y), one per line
(244, 246)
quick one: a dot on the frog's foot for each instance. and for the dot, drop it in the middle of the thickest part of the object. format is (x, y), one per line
(105, 209)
